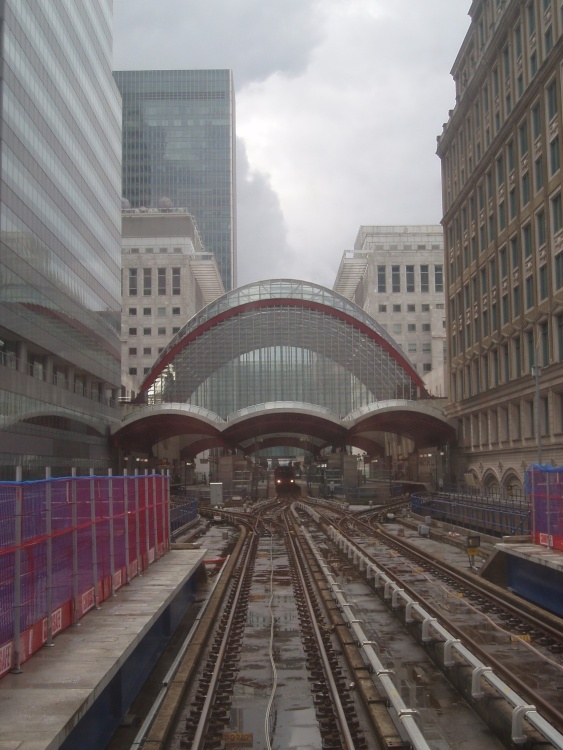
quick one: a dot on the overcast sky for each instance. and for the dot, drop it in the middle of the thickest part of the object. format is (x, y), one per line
(339, 103)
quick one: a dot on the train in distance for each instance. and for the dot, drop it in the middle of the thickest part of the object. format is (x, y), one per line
(284, 478)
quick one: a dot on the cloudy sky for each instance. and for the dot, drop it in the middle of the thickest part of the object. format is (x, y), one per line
(339, 103)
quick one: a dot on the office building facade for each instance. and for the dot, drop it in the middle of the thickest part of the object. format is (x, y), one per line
(395, 273)
(502, 201)
(60, 237)
(167, 277)
(179, 149)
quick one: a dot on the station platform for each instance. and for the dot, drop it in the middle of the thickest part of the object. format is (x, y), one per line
(530, 570)
(73, 695)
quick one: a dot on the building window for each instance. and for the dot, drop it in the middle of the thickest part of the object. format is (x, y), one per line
(426, 367)
(543, 283)
(175, 311)
(132, 311)
(530, 297)
(523, 138)
(395, 279)
(438, 278)
(161, 281)
(412, 348)
(536, 121)
(411, 327)
(396, 308)
(411, 308)
(501, 217)
(162, 331)
(548, 40)
(538, 173)
(559, 271)
(426, 326)
(175, 330)
(424, 279)
(556, 215)
(410, 279)
(132, 332)
(176, 289)
(382, 308)
(146, 350)
(544, 341)
(525, 189)
(551, 92)
(560, 339)
(147, 331)
(527, 240)
(147, 310)
(132, 351)
(381, 279)
(554, 158)
(132, 282)
(132, 371)
(541, 233)
(425, 308)
(426, 347)
(161, 312)
(147, 282)
(512, 204)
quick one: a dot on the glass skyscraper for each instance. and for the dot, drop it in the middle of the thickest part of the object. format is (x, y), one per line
(60, 223)
(179, 144)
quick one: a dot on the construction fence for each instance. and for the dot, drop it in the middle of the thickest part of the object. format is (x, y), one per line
(66, 545)
(544, 484)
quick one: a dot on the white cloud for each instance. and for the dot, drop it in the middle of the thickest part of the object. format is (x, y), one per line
(338, 104)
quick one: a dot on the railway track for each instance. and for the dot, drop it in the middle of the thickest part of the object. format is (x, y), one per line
(281, 643)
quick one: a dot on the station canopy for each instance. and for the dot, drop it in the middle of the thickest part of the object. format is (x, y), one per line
(283, 342)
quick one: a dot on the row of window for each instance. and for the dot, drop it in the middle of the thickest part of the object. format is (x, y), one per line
(497, 221)
(160, 311)
(513, 422)
(508, 361)
(151, 250)
(411, 281)
(410, 308)
(529, 285)
(163, 282)
(516, 66)
(160, 331)
(411, 327)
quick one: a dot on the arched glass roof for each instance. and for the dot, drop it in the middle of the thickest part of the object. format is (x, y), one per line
(281, 340)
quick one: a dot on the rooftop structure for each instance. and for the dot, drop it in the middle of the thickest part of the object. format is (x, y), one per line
(179, 150)
(60, 242)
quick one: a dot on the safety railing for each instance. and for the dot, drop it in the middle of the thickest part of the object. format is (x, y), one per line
(68, 544)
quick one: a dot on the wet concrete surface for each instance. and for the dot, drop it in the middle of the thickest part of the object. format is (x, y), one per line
(446, 720)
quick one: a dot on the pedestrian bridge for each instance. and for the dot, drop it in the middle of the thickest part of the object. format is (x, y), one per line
(281, 363)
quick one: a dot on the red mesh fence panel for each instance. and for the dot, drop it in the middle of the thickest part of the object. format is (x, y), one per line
(545, 485)
(66, 545)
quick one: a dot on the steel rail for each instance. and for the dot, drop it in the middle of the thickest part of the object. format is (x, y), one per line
(522, 708)
(340, 714)
(199, 736)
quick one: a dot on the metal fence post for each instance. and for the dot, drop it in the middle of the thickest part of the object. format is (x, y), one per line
(94, 541)
(16, 668)
(49, 532)
(126, 515)
(74, 501)
(147, 527)
(155, 522)
(137, 538)
(111, 530)
(165, 534)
